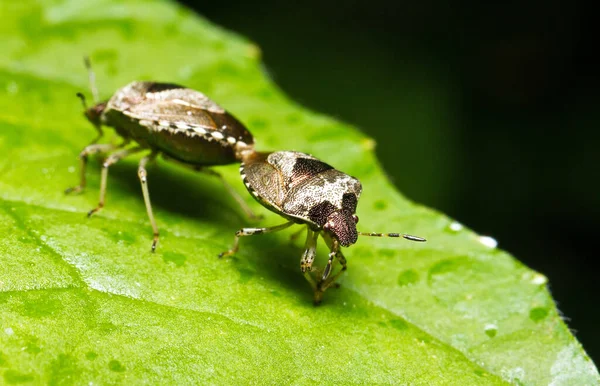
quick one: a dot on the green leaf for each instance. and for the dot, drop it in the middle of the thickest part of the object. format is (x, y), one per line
(84, 301)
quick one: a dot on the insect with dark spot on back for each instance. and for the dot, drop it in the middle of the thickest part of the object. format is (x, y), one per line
(182, 124)
(305, 190)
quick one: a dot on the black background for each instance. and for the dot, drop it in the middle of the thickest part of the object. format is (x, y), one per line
(489, 113)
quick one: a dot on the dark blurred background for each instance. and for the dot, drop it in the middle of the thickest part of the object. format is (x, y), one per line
(489, 113)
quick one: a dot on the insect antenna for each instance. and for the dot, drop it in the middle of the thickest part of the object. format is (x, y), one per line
(83, 102)
(91, 78)
(405, 236)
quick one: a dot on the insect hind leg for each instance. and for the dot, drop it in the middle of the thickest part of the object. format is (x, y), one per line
(143, 174)
(233, 193)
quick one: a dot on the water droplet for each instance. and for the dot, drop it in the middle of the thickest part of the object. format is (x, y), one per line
(32, 348)
(491, 330)
(456, 226)
(399, 324)
(122, 237)
(71, 169)
(488, 241)
(410, 276)
(384, 252)
(368, 144)
(40, 307)
(174, 257)
(447, 266)
(9, 331)
(539, 279)
(246, 275)
(538, 313)
(258, 123)
(253, 51)
(115, 365)
(293, 118)
(379, 205)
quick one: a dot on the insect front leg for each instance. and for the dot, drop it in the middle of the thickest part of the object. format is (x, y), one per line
(100, 134)
(112, 159)
(327, 280)
(251, 232)
(83, 158)
(142, 174)
(310, 251)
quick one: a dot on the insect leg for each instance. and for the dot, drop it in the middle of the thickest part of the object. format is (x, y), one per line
(100, 134)
(251, 232)
(328, 267)
(340, 257)
(310, 250)
(143, 180)
(228, 187)
(83, 158)
(113, 158)
(327, 280)
(233, 193)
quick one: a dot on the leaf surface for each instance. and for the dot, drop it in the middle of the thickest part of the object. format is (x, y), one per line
(84, 301)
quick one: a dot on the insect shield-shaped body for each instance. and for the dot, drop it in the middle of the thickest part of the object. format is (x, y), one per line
(183, 125)
(305, 190)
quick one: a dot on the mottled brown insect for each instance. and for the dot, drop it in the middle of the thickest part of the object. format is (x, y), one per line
(182, 124)
(306, 190)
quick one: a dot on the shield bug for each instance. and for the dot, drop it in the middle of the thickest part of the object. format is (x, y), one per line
(305, 190)
(165, 119)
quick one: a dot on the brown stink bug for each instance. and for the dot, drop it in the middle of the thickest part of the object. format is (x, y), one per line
(165, 119)
(305, 190)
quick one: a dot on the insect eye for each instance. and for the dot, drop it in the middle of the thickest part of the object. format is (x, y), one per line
(355, 217)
